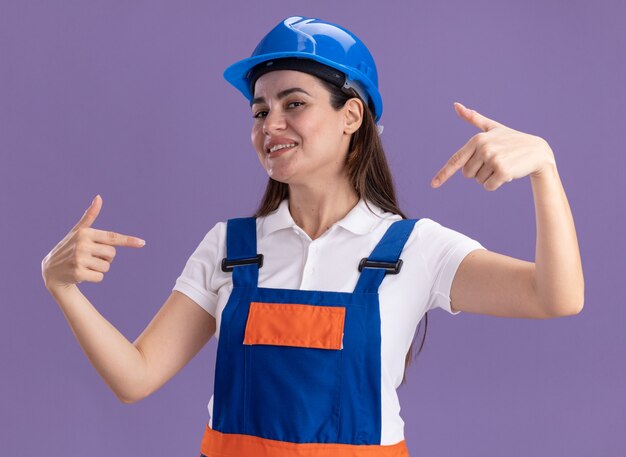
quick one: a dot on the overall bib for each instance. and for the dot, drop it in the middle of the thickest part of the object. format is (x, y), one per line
(298, 372)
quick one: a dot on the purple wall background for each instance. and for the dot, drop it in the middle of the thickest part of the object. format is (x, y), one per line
(128, 100)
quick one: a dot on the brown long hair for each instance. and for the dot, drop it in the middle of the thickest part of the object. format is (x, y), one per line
(368, 172)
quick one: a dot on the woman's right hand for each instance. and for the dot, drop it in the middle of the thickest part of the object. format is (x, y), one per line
(85, 253)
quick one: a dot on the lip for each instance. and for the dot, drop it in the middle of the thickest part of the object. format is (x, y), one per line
(274, 154)
(278, 140)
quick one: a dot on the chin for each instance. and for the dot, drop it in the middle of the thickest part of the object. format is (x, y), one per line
(280, 178)
(283, 175)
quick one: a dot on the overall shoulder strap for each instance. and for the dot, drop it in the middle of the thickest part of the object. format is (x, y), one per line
(241, 256)
(385, 258)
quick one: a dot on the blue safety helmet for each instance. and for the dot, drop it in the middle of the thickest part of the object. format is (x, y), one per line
(320, 41)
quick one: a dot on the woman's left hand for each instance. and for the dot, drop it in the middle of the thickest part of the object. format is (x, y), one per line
(496, 155)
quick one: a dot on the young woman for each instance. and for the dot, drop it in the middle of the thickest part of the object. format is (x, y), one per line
(315, 299)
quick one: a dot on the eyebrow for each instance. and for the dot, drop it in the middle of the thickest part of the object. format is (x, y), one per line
(281, 94)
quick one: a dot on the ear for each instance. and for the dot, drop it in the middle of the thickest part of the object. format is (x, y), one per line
(353, 110)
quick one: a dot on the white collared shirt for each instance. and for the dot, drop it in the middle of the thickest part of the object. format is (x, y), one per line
(292, 260)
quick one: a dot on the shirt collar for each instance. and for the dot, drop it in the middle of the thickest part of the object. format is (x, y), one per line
(359, 220)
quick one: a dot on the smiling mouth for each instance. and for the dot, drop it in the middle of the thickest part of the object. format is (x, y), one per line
(279, 146)
(277, 152)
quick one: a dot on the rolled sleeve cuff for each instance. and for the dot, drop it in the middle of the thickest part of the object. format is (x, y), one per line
(444, 285)
(208, 302)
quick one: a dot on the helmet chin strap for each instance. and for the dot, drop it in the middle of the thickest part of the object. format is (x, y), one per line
(351, 84)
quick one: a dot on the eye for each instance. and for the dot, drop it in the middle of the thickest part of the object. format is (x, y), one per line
(259, 114)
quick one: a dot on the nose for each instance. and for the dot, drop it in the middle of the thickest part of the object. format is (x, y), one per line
(274, 121)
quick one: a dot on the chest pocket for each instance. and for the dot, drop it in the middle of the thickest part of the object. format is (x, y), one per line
(305, 326)
(293, 356)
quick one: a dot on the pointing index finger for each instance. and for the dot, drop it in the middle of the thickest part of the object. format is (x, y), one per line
(117, 239)
(457, 161)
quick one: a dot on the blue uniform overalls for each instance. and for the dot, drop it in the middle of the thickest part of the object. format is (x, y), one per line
(298, 372)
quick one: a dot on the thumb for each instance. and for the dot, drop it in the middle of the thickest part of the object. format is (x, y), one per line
(90, 214)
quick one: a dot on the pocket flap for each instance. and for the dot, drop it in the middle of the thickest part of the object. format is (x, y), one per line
(283, 324)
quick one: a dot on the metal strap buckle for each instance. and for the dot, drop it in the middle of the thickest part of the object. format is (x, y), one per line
(391, 267)
(227, 265)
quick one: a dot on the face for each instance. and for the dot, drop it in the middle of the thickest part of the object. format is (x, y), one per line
(292, 109)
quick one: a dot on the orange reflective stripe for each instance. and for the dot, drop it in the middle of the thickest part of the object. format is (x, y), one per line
(217, 444)
(300, 325)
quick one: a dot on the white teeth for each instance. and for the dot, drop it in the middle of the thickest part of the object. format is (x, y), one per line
(281, 146)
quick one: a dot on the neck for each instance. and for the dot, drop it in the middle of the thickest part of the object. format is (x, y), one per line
(316, 209)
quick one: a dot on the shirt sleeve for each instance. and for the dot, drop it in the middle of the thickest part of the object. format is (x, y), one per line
(196, 278)
(443, 250)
